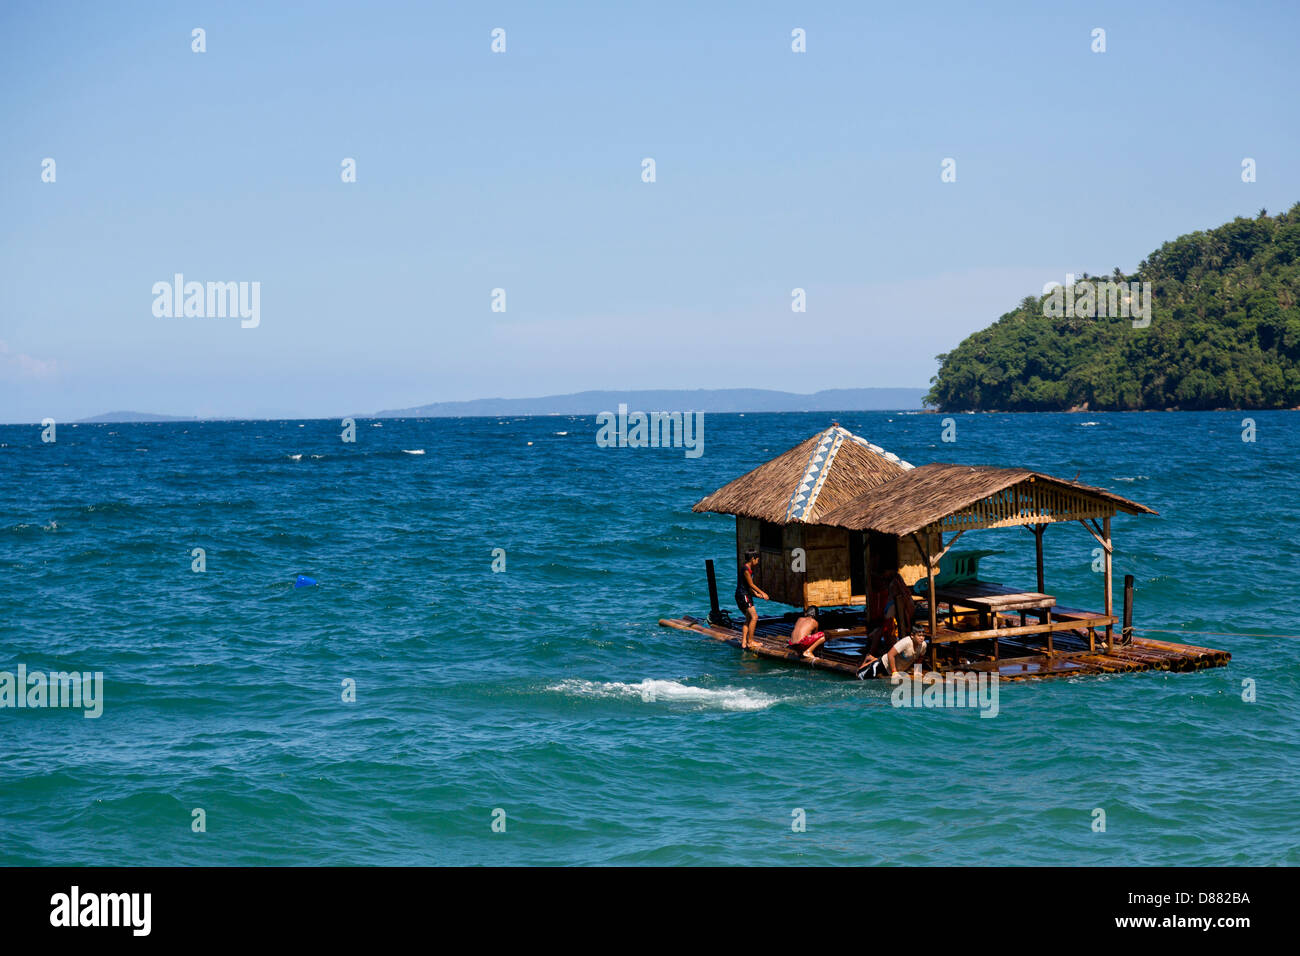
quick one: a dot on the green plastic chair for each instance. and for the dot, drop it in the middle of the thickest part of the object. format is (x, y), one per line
(955, 567)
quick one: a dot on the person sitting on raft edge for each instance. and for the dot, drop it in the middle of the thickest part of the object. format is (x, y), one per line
(806, 636)
(746, 589)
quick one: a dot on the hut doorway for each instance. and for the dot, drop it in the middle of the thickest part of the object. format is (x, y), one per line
(857, 563)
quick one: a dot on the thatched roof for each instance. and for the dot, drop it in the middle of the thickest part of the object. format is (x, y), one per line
(827, 470)
(962, 497)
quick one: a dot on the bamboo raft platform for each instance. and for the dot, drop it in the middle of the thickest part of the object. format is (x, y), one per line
(840, 524)
(1018, 657)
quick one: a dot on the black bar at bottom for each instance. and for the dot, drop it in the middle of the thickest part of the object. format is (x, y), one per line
(330, 905)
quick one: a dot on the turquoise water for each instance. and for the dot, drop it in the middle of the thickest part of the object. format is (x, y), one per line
(548, 690)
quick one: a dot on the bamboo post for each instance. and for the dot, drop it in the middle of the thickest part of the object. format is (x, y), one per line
(1126, 635)
(934, 605)
(1042, 587)
(1038, 554)
(1110, 599)
(714, 611)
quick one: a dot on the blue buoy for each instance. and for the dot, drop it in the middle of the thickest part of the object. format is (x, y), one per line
(304, 582)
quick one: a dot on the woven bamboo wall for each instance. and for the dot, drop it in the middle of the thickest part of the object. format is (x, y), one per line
(827, 580)
(911, 565)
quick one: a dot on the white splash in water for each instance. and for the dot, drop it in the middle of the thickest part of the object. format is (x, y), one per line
(670, 692)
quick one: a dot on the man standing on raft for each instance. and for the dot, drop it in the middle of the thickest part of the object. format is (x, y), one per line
(745, 591)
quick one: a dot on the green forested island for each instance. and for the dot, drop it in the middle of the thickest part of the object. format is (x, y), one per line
(1223, 332)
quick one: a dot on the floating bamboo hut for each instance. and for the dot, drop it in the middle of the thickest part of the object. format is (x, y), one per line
(831, 508)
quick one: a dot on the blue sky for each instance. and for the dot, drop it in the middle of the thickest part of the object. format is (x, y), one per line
(522, 171)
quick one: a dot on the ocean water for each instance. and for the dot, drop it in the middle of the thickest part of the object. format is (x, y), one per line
(548, 691)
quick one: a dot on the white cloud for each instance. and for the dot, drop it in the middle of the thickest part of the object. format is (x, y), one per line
(16, 366)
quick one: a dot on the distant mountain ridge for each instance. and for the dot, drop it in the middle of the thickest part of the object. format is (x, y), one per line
(717, 400)
(134, 417)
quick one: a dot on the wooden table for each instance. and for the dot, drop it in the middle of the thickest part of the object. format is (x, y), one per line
(991, 599)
